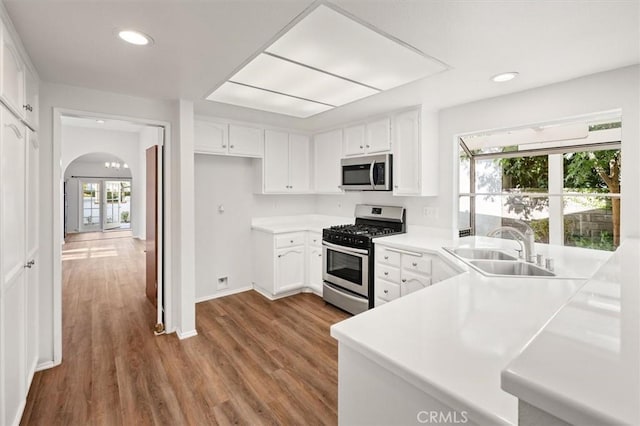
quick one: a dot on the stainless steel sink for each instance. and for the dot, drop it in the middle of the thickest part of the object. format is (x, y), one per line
(501, 267)
(477, 253)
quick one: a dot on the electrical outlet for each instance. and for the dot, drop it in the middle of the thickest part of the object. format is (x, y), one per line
(430, 212)
(223, 282)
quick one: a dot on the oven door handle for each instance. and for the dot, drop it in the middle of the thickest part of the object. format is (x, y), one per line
(373, 184)
(344, 249)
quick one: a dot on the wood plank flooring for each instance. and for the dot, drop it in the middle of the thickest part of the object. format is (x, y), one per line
(253, 362)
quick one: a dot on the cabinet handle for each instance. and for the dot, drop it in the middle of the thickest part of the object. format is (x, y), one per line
(224, 146)
(361, 146)
(319, 254)
(395, 186)
(386, 258)
(291, 241)
(404, 280)
(231, 146)
(368, 146)
(279, 255)
(386, 291)
(386, 273)
(414, 264)
(28, 107)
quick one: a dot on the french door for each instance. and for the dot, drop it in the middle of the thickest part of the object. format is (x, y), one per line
(91, 206)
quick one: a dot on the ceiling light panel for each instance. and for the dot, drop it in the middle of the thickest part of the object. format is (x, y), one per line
(250, 97)
(330, 41)
(285, 77)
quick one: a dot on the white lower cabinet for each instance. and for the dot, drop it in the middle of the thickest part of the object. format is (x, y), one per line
(314, 262)
(401, 272)
(287, 263)
(289, 269)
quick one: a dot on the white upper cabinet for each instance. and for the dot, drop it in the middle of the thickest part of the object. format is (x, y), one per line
(276, 161)
(406, 151)
(370, 138)
(12, 77)
(220, 138)
(32, 99)
(415, 153)
(378, 136)
(246, 141)
(327, 152)
(285, 167)
(299, 170)
(354, 140)
(211, 137)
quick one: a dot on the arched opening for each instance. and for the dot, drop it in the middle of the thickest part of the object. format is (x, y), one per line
(97, 194)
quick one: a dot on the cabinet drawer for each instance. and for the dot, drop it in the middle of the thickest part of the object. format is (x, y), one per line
(387, 256)
(315, 238)
(386, 290)
(419, 264)
(388, 273)
(413, 282)
(289, 240)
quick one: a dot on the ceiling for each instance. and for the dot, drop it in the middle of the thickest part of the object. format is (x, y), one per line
(200, 43)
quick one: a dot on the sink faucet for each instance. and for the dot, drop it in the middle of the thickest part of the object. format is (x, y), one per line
(525, 239)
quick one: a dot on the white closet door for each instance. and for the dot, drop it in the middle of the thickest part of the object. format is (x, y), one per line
(12, 246)
(32, 250)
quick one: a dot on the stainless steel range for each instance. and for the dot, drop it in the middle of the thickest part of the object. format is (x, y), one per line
(347, 256)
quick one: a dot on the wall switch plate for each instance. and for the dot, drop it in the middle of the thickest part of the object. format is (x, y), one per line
(223, 282)
(430, 212)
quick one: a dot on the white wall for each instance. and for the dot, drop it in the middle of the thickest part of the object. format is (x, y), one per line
(86, 169)
(223, 240)
(96, 102)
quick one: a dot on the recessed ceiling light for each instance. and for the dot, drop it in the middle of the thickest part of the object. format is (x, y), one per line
(135, 37)
(100, 121)
(505, 76)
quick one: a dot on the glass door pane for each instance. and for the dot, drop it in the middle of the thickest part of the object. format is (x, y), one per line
(90, 206)
(112, 204)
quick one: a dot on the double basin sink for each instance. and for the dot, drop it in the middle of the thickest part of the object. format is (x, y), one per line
(497, 263)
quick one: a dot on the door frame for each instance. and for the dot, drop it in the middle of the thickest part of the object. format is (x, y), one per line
(57, 188)
(81, 183)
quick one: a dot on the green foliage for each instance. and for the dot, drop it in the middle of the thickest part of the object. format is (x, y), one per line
(581, 169)
(525, 173)
(124, 217)
(605, 242)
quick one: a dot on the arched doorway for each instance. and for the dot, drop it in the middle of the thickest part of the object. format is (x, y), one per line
(98, 194)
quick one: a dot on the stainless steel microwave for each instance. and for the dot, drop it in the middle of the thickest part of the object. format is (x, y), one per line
(367, 173)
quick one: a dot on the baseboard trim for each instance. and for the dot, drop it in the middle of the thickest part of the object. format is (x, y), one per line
(185, 335)
(23, 404)
(223, 294)
(312, 290)
(270, 296)
(47, 365)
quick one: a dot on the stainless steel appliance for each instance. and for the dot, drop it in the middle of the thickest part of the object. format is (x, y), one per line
(367, 173)
(348, 256)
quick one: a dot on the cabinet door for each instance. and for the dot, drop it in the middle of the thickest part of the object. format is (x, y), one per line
(354, 140)
(12, 286)
(289, 269)
(210, 137)
(406, 154)
(413, 282)
(299, 170)
(315, 269)
(32, 99)
(246, 141)
(12, 78)
(276, 162)
(378, 136)
(327, 149)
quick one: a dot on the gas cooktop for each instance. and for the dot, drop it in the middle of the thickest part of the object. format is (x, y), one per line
(371, 222)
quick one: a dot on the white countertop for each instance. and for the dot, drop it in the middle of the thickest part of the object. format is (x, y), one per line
(453, 339)
(584, 366)
(298, 223)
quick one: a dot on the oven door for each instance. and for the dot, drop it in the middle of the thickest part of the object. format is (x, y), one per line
(346, 267)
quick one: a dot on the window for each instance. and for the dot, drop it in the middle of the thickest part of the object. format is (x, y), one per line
(563, 181)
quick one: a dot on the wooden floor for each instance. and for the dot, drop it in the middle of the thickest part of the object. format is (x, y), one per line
(87, 236)
(253, 362)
